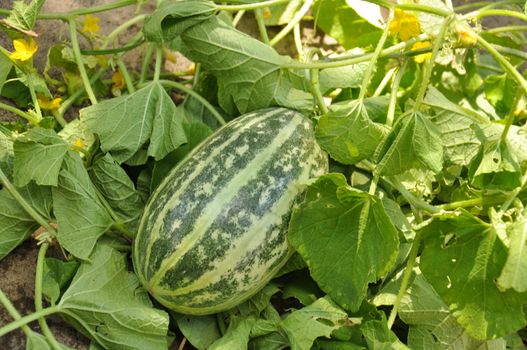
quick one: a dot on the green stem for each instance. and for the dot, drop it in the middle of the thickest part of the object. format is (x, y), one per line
(390, 116)
(413, 200)
(118, 223)
(249, 6)
(112, 51)
(412, 7)
(298, 42)
(24, 204)
(121, 28)
(507, 29)
(38, 297)
(505, 64)
(373, 63)
(126, 75)
(406, 277)
(238, 18)
(258, 14)
(496, 12)
(514, 194)
(462, 204)
(384, 82)
(13, 312)
(20, 113)
(146, 63)
(189, 91)
(296, 19)
(80, 63)
(509, 120)
(34, 99)
(159, 62)
(314, 78)
(85, 11)
(342, 62)
(71, 100)
(430, 66)
(29, 318)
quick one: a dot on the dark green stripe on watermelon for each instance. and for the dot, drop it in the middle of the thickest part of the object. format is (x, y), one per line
(213, 233)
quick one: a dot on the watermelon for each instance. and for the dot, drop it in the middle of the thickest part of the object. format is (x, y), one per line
(214, 232)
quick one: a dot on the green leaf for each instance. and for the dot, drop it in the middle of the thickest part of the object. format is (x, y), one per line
(432, 326)
(345, 237)
(7, 156)
(106, 303)
(5, 67)
(237, 335)
(348, 134)
(342, 77)
(282, 14)
(124, 124)
(500, 91)
(514, 273)
(118, 189)
(38, 156)
(414, 142)
(303, 289)
(319, 319)
(22, 17)
(195, 133)
(250, 74)
(380, 337)
(57, 274)
(76, 130)
(462, 259)
(172, 18)
(495, 167)
(338, 20)
(200, 331)
(15, 224)
(81, 217)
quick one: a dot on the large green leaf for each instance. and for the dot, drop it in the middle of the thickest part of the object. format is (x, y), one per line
(514, 274)
(200, 331)
(237, 335)
(15, 224)
(5, 67)
(462, 259)
(127, 123)
(348, 134)
(340, 21)
(432, 326)
(414, 142)
(342, 77)
(38, 156)
(172, 18)
(118, 189)
(7, 156)
(345, 237)
(251, 75)
(319, 319)
(57, 274)
(380, 337)
(106, 303)
(81, 217)
(495, 166)
(22, 17)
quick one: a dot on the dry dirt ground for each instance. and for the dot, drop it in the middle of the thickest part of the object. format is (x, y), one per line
(18, 269)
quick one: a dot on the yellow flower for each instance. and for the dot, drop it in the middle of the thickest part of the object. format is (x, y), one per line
(424, 56)
(24, 49)
(90, 24)
(467, 37)
(48, 104)
(405, 25)
(267, 13)
(117, 80)
(77, 146)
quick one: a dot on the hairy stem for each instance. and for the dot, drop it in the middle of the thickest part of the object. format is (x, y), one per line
(29, 318)
(31, 119)
(78, 59)
(38, 297)
(13, 312)
(189, 91)
(24, 204)
(296, 19)
(256, 5)
(258, 14)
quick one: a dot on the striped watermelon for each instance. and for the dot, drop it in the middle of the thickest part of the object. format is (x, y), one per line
(214, 232)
